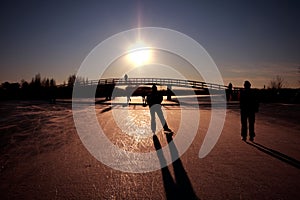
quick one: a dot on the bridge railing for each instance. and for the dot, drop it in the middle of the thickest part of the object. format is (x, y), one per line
(150, 81)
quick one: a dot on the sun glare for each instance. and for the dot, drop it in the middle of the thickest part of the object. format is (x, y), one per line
(139, 57)
(139, 53)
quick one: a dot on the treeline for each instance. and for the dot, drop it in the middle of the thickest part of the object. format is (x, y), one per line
(273, 95)
(46, 89)
(37, 89)
(283, 95)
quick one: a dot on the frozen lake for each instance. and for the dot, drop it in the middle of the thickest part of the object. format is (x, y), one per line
(43, 157)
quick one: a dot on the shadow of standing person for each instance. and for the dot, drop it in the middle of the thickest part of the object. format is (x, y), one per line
(169, 184)
(183, 182)
(276, 154)
(181, 187)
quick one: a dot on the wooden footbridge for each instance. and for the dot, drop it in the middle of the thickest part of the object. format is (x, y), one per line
(150, 81)
(141, 86)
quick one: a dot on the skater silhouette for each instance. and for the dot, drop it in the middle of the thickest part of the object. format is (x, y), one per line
(154, 101)
(249, 106)
(229, 92)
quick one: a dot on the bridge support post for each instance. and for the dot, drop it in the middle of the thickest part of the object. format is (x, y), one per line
(169, 92)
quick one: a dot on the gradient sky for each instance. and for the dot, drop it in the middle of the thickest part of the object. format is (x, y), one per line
(254, 40)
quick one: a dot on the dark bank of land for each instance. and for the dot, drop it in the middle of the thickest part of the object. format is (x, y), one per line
(49, 91)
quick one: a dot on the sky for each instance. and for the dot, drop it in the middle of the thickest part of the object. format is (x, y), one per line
(248, 40)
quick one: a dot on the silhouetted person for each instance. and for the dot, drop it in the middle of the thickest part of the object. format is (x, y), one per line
(249, 106)
(229, 92)
(154, 101)
(128, 99)
(144, 99)
(126, 77)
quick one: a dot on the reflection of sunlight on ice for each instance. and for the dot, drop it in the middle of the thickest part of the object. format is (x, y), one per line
(120, 100)
(135, 122)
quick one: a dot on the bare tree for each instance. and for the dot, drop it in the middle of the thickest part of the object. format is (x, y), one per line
(277, 83)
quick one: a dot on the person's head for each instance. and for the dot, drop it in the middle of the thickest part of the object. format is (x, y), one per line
(247, 85)
(154, 88)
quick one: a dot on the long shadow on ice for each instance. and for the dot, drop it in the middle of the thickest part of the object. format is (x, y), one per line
(181, 187)
(276, 154)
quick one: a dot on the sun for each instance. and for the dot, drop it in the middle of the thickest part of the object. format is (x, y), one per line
(139, 56)
(139, 53)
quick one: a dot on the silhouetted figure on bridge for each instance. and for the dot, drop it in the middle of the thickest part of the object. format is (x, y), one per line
(125, 77)
(249, 106)
(154, 101)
